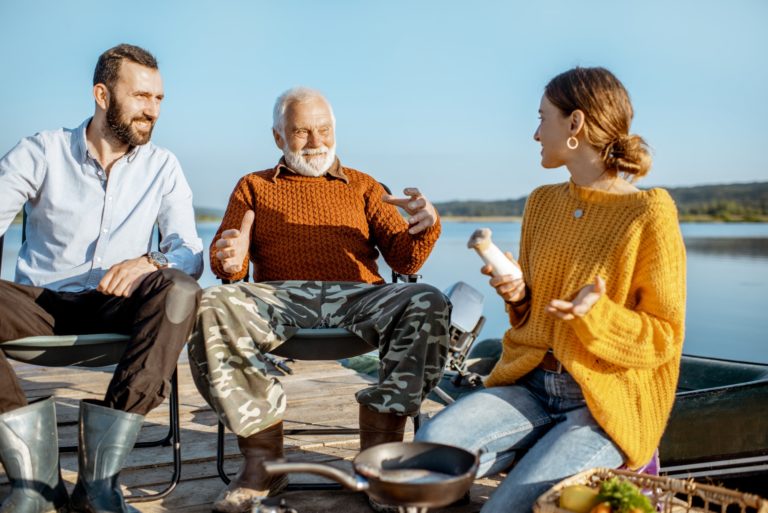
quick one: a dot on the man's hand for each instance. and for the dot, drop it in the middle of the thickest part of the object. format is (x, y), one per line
(422, 212)
(233, 245)
(124, 278)
(583, 302)
(510, 289)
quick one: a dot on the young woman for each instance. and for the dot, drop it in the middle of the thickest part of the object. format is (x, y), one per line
(589, 367)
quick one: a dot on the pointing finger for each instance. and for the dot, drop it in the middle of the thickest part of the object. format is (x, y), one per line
(413, 192)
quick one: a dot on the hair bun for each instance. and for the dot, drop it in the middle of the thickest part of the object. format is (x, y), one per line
(628, 154)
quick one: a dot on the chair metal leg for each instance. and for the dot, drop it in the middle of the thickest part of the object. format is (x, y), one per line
(322, 431)
(174, 435)
(220, 454)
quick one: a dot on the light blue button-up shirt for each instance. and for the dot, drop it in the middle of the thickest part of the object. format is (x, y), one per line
(79, 223)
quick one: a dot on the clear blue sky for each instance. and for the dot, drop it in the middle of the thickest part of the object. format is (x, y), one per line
(438, 94)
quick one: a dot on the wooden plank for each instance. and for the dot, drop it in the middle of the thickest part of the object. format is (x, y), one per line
(320, 394)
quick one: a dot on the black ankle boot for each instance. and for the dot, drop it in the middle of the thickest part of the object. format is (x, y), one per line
(29, 450)
(106, 438)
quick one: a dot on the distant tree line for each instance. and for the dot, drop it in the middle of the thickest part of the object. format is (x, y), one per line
(731, 202)
(747, 201)
(476, 208)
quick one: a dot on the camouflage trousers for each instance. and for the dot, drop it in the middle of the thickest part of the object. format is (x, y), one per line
(236, 324)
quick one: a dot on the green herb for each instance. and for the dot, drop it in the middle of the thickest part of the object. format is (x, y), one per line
(624, 497)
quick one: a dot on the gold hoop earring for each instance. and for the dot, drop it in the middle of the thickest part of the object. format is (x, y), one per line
(572, 143)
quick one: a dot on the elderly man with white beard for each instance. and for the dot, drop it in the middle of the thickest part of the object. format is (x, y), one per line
(313, 229)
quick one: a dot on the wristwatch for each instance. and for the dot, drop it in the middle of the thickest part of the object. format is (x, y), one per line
(157, 259)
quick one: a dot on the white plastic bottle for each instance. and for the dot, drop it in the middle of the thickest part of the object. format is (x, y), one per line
(481, 242)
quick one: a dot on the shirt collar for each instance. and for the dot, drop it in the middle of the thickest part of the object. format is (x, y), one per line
(336, 170)
(82, 145)
(80, 142)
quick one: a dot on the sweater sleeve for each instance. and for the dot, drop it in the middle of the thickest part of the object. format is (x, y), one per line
(520, 311)
(404, 253)
(240, 202)
(650, 333)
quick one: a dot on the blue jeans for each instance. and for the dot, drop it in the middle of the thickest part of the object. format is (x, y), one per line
(544, 414)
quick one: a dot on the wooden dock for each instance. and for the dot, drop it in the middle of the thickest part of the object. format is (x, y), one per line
(320, 394)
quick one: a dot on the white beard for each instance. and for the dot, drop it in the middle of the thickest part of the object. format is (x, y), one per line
(317, 166)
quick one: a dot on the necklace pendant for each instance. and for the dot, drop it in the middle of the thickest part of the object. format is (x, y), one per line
(578, 213)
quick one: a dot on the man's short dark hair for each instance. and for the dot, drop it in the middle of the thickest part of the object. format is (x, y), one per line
(108, 65)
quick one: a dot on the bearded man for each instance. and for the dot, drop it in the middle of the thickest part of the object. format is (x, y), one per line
(92, 196)
(313, 229)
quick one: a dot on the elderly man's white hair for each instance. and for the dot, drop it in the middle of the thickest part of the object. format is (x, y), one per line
(292, 95)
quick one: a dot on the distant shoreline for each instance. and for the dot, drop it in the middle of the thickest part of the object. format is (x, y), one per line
(476, 219)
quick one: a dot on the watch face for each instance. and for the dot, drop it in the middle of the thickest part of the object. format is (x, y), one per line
(159, 259)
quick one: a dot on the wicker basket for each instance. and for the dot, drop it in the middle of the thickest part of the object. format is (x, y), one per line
(667, 495)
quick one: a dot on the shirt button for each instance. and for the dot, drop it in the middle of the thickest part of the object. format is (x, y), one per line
(109, 198)
(105, 230)
(98, 259)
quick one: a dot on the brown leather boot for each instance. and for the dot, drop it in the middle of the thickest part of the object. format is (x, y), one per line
(379, 428)
(253, 481)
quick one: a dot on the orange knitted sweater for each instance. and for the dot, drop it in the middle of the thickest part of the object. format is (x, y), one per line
(328, 228)
(625, 352)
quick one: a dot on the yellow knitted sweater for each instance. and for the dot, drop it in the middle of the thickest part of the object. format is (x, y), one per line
(625, 352)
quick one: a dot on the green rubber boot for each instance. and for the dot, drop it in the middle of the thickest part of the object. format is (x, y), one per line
(106, 438)
(29, 450)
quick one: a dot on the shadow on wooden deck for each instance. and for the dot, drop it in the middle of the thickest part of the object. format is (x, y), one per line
(319, 393)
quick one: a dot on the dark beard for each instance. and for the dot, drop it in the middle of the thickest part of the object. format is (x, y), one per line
(124, 131)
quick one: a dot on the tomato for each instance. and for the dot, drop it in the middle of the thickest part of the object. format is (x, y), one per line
(603, 507)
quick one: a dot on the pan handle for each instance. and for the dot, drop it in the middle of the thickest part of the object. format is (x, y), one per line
(353, 482)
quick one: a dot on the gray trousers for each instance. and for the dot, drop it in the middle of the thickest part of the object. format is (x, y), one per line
(236, 324)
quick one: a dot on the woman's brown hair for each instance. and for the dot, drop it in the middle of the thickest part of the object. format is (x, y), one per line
(607, 117)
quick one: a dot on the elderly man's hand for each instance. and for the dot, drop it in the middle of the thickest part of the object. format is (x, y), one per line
(422, 212)
(233, 245)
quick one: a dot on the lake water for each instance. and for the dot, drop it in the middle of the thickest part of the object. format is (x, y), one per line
(727, 311)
